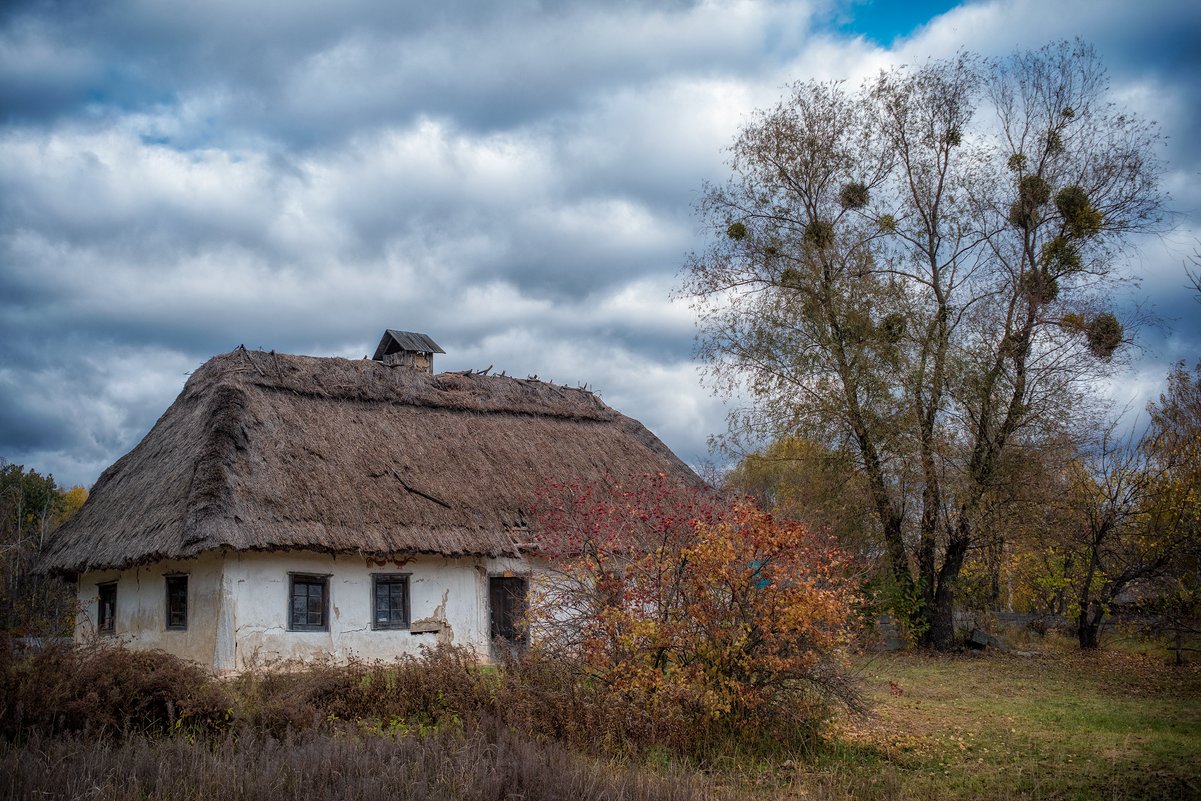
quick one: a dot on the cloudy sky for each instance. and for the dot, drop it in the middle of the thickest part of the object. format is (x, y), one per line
(515, 179)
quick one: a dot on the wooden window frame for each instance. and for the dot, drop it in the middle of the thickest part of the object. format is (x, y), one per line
(168, 581)
(106, 625)
(308, 579)
(389, 579)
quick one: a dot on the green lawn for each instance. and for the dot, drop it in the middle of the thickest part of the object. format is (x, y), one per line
(1063, 724)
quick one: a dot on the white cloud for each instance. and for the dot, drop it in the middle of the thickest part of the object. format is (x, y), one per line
(515, 179)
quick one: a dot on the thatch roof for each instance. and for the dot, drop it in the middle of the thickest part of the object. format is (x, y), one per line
(267, 451)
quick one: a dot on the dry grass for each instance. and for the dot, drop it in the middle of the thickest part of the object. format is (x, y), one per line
(1117, 725)
(315, 765)
(113, 692)
(107, 690)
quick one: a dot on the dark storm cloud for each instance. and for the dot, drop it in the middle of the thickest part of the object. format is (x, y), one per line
(24, 427)
(315, 72)
(515, 179)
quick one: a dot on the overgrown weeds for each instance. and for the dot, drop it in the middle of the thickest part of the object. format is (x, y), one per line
(1113, 724)
(137, 724)
(100, 688)
(492, 762)
(443, 684)
(114, 692)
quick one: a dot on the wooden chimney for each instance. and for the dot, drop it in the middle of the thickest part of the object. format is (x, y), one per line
(407, 349)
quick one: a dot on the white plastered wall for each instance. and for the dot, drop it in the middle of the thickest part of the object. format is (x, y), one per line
(141, 612)
(238, 606)
(448, 603)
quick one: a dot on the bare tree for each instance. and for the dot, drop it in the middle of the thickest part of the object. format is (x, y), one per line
(31, 505)
(913, 270)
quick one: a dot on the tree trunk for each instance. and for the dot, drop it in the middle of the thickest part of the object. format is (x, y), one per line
(940, 634)
(1088, 626)
(927, 582)
(995, 557)
(927, 577)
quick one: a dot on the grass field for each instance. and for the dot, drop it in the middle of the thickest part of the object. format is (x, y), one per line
(1063, 724)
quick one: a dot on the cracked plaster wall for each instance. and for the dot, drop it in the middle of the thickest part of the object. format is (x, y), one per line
(448, 603)
(238, 607)
(141, 619)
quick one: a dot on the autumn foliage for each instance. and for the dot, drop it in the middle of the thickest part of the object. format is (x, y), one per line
(31, 507)
(684, 600)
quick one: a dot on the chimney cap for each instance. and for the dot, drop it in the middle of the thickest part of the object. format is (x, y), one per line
(394, 341)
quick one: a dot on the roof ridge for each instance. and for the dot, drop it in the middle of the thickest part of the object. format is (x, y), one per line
(371, 381)
(265, 451)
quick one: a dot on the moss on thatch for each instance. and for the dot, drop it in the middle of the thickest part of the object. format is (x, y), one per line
(268, 451)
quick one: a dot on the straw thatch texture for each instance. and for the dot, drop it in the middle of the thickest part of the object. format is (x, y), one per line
(266, 451)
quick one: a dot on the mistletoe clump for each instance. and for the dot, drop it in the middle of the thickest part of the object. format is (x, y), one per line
(1060, 257)
(1033, 193)
(892, 328)
(1079, 216)
(819, 234)
(791, 277)
(1104, 334)
(853, 196)
(1040, 286)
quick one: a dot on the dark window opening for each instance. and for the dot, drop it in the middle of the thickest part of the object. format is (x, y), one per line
(106, 614)
(177, 603)
(507, 600)
(391, 600)
(309, 610)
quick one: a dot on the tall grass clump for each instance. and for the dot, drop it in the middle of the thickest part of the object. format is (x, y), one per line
(441, 685)
(105, 689)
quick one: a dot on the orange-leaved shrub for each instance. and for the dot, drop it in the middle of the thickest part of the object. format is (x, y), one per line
(696, 604)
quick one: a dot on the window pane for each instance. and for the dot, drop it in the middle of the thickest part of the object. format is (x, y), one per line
(106, 612)
(308, 603)
(177, 602)
(314, 606)
(391, 595)
(381, 601)
(396, 607)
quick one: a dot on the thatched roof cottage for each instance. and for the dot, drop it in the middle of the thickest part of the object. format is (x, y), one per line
(294, 506)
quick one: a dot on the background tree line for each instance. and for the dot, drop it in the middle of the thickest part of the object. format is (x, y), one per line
(31, 507)
(1106, 521)
(909, 281)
